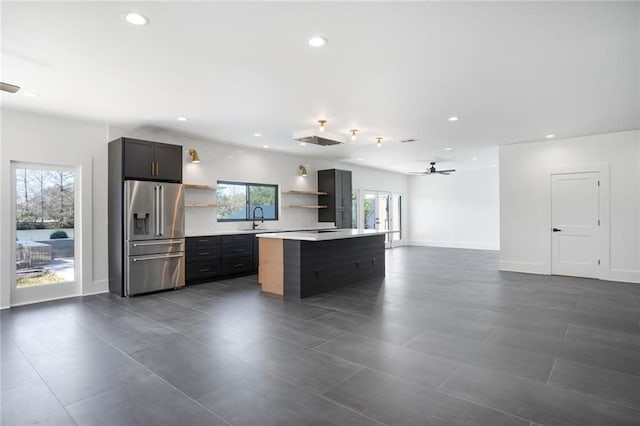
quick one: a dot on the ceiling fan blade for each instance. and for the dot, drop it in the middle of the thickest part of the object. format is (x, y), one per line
(419, 173)
(446, 171)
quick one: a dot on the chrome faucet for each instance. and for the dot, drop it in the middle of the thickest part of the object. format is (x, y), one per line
(255, 225)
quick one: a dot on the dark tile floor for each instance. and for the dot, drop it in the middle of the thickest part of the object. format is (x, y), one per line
(445, 339)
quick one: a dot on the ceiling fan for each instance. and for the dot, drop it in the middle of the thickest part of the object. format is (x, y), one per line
(432, 170)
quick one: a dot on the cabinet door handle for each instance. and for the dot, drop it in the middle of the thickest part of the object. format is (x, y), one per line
(153, 169)
(157, 168)
(238, 250)
(238, 265)
(203, 241)
(206, 253)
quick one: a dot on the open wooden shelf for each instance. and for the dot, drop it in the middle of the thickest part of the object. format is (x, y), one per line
(196, 186)
(304, 206)
(293, 191)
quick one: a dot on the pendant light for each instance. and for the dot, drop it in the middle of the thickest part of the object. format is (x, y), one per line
(379, 141)
(322, 123)
(353, 134)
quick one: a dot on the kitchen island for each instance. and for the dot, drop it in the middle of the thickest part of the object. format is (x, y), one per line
(302, 264)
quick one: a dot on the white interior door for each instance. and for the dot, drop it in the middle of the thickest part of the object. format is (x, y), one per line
(575, 200)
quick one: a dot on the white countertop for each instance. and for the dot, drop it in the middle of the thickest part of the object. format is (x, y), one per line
(259, 230)
(336, 234)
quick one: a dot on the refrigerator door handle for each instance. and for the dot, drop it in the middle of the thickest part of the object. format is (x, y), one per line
(156, 210)
(161, 210)
(157, 243)
(154, 257)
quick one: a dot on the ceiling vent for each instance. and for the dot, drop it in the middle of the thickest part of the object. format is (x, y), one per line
(409, 140)
(317, 138)
(6, 87)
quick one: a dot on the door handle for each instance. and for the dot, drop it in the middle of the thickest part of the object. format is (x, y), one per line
(556, 230)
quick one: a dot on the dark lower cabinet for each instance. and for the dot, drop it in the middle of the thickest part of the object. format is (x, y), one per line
(209, 258)
(313, 267)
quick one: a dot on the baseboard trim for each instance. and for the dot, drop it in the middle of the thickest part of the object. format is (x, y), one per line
(526, 267)
(623, 275)
(95, 287)
(454, 244)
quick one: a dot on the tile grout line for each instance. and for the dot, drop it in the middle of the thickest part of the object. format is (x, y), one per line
(152, 373)
(555, 360)
(454, 371)
(43, 381)
(566, 332)
(328, 399)
(331, 340)
(450, 395)
(606, 401)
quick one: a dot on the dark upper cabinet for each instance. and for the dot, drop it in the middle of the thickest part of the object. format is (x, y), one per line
(145, 160)
(337, 184)
(168, 162)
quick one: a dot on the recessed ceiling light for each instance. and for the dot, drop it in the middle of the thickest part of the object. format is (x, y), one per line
(448, 148)
(265, 146)
(359, 159)
(182, 119)
(453, 118)
(474, 158)
(317, 41)
(134, 18)
(303, 144)
(30, 94)
(550, 136)
(257, 135)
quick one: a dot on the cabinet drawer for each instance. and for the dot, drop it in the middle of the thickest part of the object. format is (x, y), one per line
(236, 265)
(202, 268)
(237, 250)
(203, 252)
(192, 242)
(236, 238)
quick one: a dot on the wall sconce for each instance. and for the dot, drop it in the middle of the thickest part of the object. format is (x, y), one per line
(302, 170)
(194, 156)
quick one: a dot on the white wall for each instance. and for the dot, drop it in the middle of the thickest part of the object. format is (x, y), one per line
(459, 210)
(525, 200)
(237, 163)
(34, 138)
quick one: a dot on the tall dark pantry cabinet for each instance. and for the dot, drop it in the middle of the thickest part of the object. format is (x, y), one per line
(337, 184)
(146, 217)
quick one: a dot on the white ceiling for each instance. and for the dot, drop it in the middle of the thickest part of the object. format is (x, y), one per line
(512, 71)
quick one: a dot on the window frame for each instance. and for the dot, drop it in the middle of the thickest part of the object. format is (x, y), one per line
(248, 186)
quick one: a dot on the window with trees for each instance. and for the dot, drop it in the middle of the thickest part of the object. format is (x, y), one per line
(45, 222)
(240, 201)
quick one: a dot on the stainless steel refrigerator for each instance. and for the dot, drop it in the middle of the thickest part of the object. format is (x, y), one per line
(153, 225)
